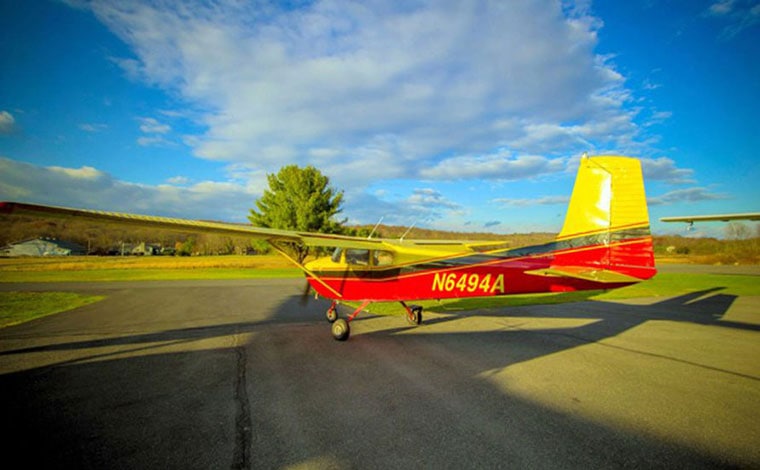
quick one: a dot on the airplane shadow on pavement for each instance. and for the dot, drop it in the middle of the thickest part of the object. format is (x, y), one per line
(275, 391)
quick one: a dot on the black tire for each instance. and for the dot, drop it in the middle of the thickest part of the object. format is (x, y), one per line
(416, 317)
(332, 315)
(340, 329)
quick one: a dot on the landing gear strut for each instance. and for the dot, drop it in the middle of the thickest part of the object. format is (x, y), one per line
(341, 331)
(413, 314)
(332, 313)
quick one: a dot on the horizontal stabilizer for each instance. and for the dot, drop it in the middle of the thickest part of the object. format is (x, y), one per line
(585, 273)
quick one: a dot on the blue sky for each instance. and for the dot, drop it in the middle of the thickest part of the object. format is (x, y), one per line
(454, 115)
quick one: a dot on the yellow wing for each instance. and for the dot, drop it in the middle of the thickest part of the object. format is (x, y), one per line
(407, 249)
(275, 235)
(709, 218)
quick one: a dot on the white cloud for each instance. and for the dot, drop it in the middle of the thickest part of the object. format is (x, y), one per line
(499, 166)
(154, 133)
(658, 117)
(7, 122)
(150, 125)
(423, 206)
(178, 180)
(686, 195)
(426, 197)
(650, 85)
(87, 187)
(737, 15)
(722, 7)
(85, 173)
(528, 202)
(326, 82)
(373, 92)
(153, 140)
(665, 169)
(93, 127)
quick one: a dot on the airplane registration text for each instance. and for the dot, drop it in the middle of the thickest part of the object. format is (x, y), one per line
(468, 282)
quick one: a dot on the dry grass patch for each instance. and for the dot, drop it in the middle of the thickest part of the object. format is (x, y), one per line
(89, 263)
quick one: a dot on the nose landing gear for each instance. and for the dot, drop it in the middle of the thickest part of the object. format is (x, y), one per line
(341, 330)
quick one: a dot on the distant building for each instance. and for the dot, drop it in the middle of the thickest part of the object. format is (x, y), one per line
(144, 249)
(138, 249)
(43, 247)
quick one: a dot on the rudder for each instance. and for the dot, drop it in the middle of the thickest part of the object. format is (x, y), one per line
(607, 221)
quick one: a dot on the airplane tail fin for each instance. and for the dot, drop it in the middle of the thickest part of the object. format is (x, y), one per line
(606, 237)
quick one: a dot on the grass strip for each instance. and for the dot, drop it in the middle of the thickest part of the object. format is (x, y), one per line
(20, 307)
(673, 284)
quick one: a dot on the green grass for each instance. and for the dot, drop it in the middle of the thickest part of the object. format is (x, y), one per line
(20, 307)
(673, 284)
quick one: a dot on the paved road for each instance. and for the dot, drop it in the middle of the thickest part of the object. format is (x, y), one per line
(237, 374)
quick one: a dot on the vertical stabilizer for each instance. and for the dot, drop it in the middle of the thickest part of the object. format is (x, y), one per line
(608, 195)
(607, 222)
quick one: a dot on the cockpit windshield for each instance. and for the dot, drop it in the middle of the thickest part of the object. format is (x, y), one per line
(336, 255)
(360, 257)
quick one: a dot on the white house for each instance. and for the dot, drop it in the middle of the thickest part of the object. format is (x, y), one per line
(43, 247)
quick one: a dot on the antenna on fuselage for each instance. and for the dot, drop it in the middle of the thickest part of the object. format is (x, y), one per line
(407, 231)
(375, 228)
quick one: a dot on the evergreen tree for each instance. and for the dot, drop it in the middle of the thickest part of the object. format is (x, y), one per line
(299, 199)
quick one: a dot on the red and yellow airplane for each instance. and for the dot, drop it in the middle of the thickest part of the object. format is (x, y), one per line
(605, 243)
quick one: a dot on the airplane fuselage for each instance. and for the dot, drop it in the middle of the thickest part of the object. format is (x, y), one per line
(473, 274)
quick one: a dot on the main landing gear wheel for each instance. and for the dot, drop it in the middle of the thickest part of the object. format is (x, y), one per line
(340, 329)
(332, 314)
(415, 317)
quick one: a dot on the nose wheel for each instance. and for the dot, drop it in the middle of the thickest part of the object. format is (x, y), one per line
(332, 314)
(340, 329)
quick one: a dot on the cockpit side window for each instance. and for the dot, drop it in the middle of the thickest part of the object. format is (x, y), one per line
(336, 255)
(360, 257)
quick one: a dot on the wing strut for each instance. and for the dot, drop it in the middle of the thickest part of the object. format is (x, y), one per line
(303, 268)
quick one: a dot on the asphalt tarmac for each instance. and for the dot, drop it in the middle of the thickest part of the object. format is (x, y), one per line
(239, 374)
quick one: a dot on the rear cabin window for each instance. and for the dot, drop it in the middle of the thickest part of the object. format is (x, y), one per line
(383, 258)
